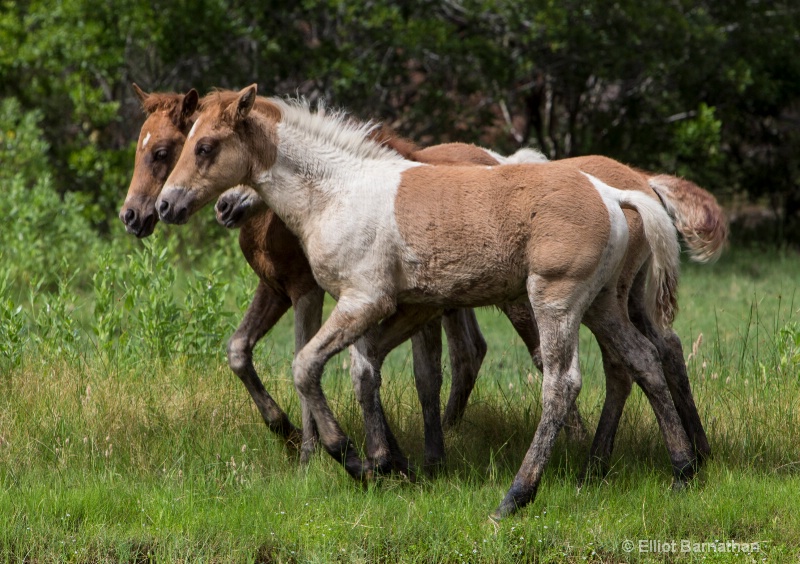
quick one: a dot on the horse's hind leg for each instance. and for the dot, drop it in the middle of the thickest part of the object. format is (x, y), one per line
(618, 388)
(467, 349)
(561, 382)
(670, 352)
(426, 345)
(681, 391)
(265, 310)
(522, 319)
(623, 343)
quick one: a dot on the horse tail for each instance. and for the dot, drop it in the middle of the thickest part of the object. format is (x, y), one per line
(696, 214)
(661, 293)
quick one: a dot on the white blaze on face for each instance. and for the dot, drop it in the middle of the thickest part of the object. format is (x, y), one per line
(194, 127)
(146, 140)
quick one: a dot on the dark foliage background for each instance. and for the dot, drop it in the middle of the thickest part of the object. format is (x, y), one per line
(704, 89)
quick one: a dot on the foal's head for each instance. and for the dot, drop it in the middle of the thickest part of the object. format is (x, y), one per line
(217, 153)
(169, 117)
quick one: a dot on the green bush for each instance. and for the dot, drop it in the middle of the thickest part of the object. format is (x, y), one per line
(42, 231)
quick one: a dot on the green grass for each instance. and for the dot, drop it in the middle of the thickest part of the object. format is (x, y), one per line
(135, 458)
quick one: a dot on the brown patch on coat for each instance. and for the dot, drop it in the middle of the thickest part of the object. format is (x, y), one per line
(275, 255)
(546, 219)
(455, 153)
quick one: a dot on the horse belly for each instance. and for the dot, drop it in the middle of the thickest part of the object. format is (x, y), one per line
(462, 284)
(461, 248)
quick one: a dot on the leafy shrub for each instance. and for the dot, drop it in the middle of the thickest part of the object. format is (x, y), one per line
(42, 231)
(11, 327)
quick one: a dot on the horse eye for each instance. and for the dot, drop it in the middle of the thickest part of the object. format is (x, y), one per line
(160, 155)
(203, 150)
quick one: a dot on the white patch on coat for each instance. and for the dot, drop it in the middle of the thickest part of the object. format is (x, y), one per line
(146, 140)
(660, 232)
(194, 128)
(496, 156)
(336, 189)
(611, 199)
(527, 155)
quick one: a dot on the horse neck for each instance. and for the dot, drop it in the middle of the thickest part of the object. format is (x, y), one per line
(310, 175)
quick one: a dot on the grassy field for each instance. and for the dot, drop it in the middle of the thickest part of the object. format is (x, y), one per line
(136, 457)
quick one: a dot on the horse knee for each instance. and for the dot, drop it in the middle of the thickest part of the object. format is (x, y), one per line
(240, 354)
(366, 378)
(304, 373)
(647, 365)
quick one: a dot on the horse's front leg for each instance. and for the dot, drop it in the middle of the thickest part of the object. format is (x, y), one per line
(352, 316)
(307, 321)
(267, 307)
(367, 356)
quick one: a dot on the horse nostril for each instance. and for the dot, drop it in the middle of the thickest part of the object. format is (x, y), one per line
(163, 208)
(222, 206)
(182, 216)
(129, 217)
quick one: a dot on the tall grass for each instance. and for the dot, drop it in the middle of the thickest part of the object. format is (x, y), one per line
(123, 438)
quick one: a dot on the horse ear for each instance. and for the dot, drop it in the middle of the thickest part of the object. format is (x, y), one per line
(245, 101)
(141, 94)
(189, 104)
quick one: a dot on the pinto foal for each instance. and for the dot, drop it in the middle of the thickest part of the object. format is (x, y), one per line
(397, 241)
(285, 280)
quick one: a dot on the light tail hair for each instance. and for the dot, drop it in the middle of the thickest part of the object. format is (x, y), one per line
(696, 214)
(661, 294)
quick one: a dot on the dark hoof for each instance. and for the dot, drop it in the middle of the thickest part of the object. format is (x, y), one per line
(702, 453)
(406, 470)
(679, 486)
(346, 454)
(293, 440)
(434, 468)
(683, 473)
(503, 511)
(381, 466)
(514, 500)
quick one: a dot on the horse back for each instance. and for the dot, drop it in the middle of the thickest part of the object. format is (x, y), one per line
(613, 173)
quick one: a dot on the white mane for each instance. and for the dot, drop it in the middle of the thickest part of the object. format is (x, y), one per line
(334, 128)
